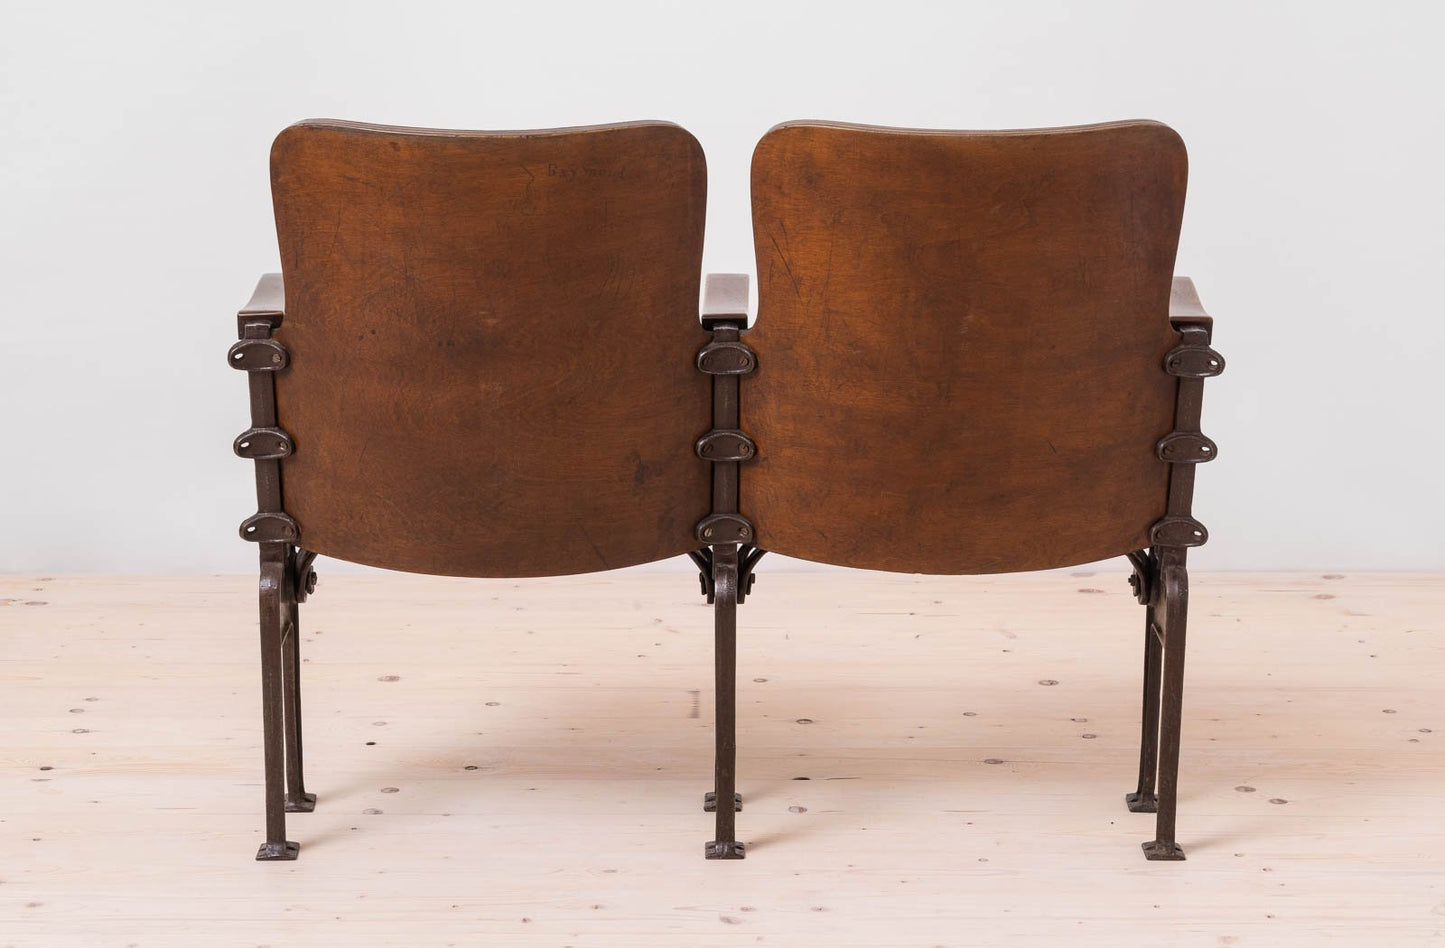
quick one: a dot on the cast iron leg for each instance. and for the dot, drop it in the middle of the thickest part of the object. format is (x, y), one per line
(1175, 594)
(1143, 800)
(273, 577)
(725, 614)
(297, 799)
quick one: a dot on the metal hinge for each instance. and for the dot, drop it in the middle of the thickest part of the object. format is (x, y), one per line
(1146, 566)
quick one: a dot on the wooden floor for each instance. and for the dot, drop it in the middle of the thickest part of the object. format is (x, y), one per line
(926, 761)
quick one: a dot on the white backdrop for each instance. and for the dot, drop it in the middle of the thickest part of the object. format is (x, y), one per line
(136, 215)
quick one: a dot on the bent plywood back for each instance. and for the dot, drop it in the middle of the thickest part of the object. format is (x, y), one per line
(960, 343)
(492, 339)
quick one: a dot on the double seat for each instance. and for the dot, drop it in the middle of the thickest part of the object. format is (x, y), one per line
(484, 357)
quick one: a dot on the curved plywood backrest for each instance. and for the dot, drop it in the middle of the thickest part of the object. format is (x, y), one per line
(960, 344)
(492, 339)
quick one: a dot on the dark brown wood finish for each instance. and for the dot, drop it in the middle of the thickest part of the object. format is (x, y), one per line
(491, 339)
(960, 341)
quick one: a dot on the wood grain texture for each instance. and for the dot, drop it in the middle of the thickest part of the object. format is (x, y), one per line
(492, 338)
(960, 344)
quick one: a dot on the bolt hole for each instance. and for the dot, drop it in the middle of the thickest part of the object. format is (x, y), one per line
(245, 444)
(1205, 449)
(237, 356)
(250, 529)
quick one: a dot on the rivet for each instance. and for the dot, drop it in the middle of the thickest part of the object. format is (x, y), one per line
(707, 449)
(742, 531)
(276, 358)
(707, 532)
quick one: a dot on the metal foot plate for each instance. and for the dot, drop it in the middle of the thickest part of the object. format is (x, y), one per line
(270, 852)
(725, 849)
(1142, 803)
(709, 802)
(305, 803)
(1157, 850)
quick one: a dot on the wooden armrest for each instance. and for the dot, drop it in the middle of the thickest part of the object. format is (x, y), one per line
(267, 302)
(725, 299)
(1184, 306)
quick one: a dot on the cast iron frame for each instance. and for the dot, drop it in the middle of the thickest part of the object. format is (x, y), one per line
(287, 577)
(1161, 584)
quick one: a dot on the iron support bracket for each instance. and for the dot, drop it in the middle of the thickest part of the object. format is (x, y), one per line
(1186, 447)
(1193, 361)
(726, 357)
(263, 444)
(725, 444)
(724, 528)
(1178, 531)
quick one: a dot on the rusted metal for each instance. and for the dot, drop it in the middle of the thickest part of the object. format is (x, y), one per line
(258, 355)
(727, 558)
(263, 444)
(1186, 447)
(304, 577)
(1142, 581)
(269, 526)
(726, 357)
(287, 576)
(1178, 531)
(709, 802)
(1194, 359)
(725, 446)
(748, 556)
(724, 844)
(724, 528)
(1161, 583)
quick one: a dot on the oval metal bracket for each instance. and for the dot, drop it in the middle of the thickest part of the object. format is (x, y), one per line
(725, 444)
(258, 355)
(1186, 447)
(1193, 362)
(724, 528)
(726, 358)
(1178, 531)
(265, 527)
(263, 444)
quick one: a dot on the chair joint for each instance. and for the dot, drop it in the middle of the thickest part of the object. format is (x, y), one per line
(1179, 532)
(725, 444)
(263, 444)
(1186, 447)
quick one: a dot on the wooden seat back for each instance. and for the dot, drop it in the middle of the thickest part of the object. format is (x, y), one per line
(491, 340)
(960, 344)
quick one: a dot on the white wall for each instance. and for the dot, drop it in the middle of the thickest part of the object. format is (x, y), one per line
(136, 215)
